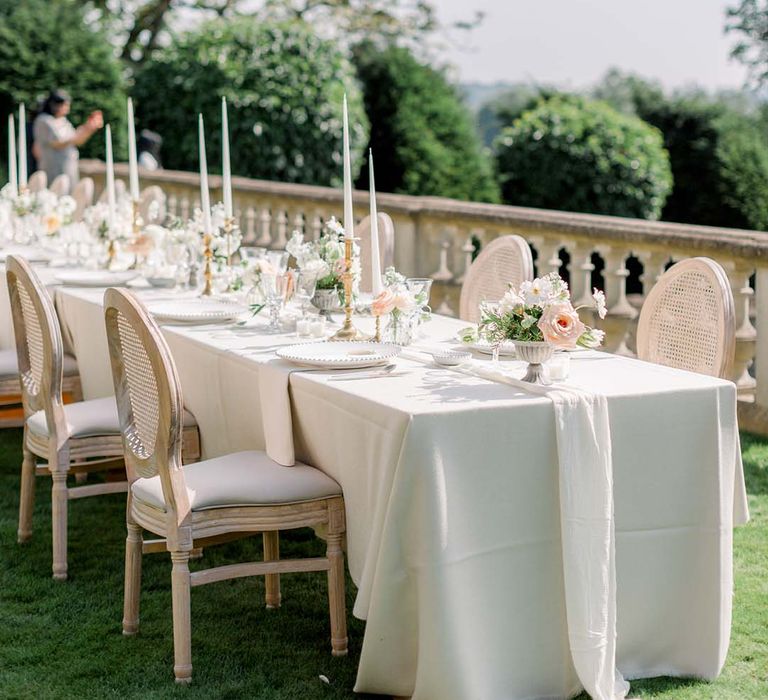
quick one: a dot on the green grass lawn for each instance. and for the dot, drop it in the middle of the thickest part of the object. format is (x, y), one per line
(64, 641)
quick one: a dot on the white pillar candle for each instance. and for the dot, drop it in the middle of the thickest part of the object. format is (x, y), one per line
(133, 162)
(376, 285)
(205, 198)
(110, 181)
(349, 217)
(22, 146)
(225, 167)
(12, 178)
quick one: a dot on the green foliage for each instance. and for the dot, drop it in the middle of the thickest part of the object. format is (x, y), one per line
(749, 20)
(284, 87)
(422, 136)
(46, 44)
(576, 155)
(719, 163)
(503, 109)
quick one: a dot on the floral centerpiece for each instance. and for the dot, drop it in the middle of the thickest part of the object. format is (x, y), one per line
(397, 300)
(324, 258)
(539, 317)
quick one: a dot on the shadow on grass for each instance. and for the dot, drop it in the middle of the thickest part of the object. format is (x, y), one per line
(754, 452)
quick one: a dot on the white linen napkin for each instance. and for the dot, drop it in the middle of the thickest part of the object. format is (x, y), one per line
(274, 380)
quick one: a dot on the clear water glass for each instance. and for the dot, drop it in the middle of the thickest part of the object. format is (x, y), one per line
(305, 285)
(274, 286)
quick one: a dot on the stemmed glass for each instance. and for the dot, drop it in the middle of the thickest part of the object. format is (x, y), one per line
(305, 285)
(274, 286)
(279, 260)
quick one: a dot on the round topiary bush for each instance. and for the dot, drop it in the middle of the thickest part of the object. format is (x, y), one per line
(573, 154)
(284, 87)
(45, 44)
(422, 136)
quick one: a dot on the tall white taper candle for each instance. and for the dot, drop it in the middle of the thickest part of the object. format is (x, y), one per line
(22, 146)
(376, 285)
(110, 182)
(349, 217)
(205, 197)
(133, 163)
(12, 177)
(225, 167)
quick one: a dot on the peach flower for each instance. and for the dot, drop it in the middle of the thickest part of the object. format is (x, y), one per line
(383, 304)
(52, 223)
(560, 325)
(404, 302)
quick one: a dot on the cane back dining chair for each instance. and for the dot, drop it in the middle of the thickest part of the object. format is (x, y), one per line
(82, 193)
(386, 247)
(74, 438)
(504, 261)
(60, 185)
(688, 319)
(37, 181)
(215, 500)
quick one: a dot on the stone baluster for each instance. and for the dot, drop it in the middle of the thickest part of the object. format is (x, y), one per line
(467, 250)
(761, 356)
(265, 226)
(316, 225)
(250, 225)
(298, 222)
(746, 334)
(281, 237)
(172, 204)
(581, 273)
(184, 208)
(621, 314)
(549, 258)
(443, 273)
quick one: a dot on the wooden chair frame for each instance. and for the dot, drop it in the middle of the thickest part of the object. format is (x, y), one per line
(150, 453)
(706, 272)
(504, 261)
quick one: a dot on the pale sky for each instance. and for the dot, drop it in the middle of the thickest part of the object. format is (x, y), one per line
(573, 42)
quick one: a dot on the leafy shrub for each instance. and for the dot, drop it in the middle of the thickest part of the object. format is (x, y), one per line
(422, 136)
(719, 163)
(576, 155)
(284, 87)
(45, 44)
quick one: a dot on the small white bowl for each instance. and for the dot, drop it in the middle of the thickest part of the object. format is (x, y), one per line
(162, 282)
(451, 358)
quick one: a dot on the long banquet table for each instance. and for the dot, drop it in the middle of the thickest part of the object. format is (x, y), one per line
(451, 489)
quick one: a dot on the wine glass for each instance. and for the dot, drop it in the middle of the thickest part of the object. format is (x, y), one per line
(305, 285)
(279, 260)
(274, 286)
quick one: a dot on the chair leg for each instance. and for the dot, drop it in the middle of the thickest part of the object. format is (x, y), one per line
(59, 503)
(27, 497)
(132, 593)
(272, 581)
(336, 598)
(182, 623)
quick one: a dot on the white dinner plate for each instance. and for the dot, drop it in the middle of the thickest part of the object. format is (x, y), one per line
(95, 278)
(194, 311)
(350, 355)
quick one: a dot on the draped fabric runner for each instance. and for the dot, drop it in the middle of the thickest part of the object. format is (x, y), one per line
(586, 510)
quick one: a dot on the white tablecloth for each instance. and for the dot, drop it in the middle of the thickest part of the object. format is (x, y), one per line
(451, 488)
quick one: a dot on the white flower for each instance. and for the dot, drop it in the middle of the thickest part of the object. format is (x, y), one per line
(599, 298)
(510, 301)
(66, 205)
(540, 292)
(335, 226)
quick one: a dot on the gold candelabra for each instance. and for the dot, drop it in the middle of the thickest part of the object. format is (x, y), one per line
(348, 330)
(207, 269)
(229, 226)
(377, 336)
(111, 253)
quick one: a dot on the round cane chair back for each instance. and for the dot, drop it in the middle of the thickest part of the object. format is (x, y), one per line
(688, 319)
(39, 346)
(152, 204)
(120, 191)
(82, 193)
(37, 181)
(148, 397)
(504, 261)
(60, 185)
(386, 247)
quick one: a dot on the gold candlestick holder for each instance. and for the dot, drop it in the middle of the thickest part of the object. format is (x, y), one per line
(348, 330)
(111, 253)
(229, 226)
(377, 335)
(208, 261)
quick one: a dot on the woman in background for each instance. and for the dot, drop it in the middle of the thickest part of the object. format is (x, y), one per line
(56, 139)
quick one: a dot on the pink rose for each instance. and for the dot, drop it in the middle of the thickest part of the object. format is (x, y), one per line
(561, 326)
(383, 304)
(404, 302)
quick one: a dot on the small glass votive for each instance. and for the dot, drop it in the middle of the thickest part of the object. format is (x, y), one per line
(303, 327)
(559, 366)
(317, 327)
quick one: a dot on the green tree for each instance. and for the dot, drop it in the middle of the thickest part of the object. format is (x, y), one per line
(577, 155)
(284, 86)
(749, 20)
(719, 163)
(46, 44)
(422, 136)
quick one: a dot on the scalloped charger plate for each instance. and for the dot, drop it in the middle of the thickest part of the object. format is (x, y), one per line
(340, 355)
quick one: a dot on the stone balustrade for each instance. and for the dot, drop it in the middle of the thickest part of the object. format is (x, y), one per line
(436, 237)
